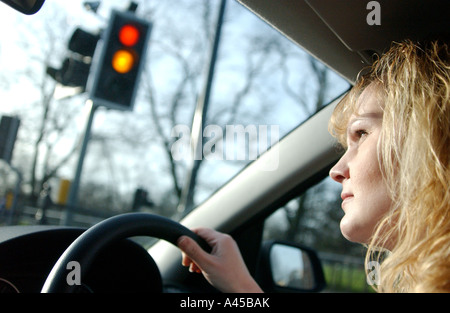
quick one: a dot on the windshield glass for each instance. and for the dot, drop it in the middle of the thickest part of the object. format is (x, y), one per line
(252, 91)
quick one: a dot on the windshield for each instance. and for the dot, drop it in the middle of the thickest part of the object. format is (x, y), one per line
(253, 90)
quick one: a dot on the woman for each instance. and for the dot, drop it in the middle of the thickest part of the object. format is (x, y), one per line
(395, 126)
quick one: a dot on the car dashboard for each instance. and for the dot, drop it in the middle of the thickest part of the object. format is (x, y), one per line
(28, 253)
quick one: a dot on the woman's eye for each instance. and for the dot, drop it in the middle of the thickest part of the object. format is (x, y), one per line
(360, 133)
(356, 134)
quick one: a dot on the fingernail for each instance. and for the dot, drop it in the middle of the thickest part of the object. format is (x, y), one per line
(181, 240)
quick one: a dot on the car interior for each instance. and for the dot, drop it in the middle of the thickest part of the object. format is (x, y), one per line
(335, 32)
(328, 33)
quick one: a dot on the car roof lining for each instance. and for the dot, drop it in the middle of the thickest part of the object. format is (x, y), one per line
(326, 28)
(289, 17)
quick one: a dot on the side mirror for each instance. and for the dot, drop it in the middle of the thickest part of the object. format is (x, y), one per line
(287, 267)
(28, 7)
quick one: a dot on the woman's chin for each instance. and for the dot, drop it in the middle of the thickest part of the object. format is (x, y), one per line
(352, 231)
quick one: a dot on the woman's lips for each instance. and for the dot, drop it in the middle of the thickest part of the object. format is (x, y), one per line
(346, 197)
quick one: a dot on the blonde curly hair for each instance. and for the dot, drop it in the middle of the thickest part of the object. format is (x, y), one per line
(413, 80)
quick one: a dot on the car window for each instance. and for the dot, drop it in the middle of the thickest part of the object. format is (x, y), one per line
(312, 219)
(263, 87)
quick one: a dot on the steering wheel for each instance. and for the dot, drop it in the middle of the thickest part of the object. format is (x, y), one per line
(87, 246)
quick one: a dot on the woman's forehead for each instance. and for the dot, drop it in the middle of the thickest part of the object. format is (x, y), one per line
(370, 101)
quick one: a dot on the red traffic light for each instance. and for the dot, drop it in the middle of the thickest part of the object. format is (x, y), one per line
(129, 35)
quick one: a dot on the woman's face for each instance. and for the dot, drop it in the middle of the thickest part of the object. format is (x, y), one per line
(364, 193)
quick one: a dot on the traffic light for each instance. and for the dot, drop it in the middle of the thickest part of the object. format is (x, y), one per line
(74, 71)
(141, 199)
(121, 61)
(9, 127)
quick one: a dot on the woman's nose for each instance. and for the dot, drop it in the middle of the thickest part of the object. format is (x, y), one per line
(340, 170)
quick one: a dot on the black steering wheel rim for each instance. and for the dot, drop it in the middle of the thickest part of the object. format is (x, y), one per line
(87, 246)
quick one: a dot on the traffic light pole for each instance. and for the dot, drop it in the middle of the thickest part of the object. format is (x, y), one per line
(126, 40)
(72, 200)
(186, 199)
(13, 207)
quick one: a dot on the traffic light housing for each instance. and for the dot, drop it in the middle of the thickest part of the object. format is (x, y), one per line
(73, 73)
(120, 62)
(75, 69)
(9, 126)
(141, 199)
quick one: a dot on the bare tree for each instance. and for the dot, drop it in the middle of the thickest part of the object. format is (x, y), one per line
(168, 107)
(310, 92)
(184, 90)
(47, 120)
(179, 44)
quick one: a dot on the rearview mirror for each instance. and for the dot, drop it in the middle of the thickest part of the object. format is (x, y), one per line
(25, 6)
(287, 267)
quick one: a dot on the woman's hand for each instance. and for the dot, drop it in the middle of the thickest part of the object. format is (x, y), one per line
(224, 267)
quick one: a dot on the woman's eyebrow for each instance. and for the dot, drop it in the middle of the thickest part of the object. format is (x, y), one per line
(370, 115)
(364, 116)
